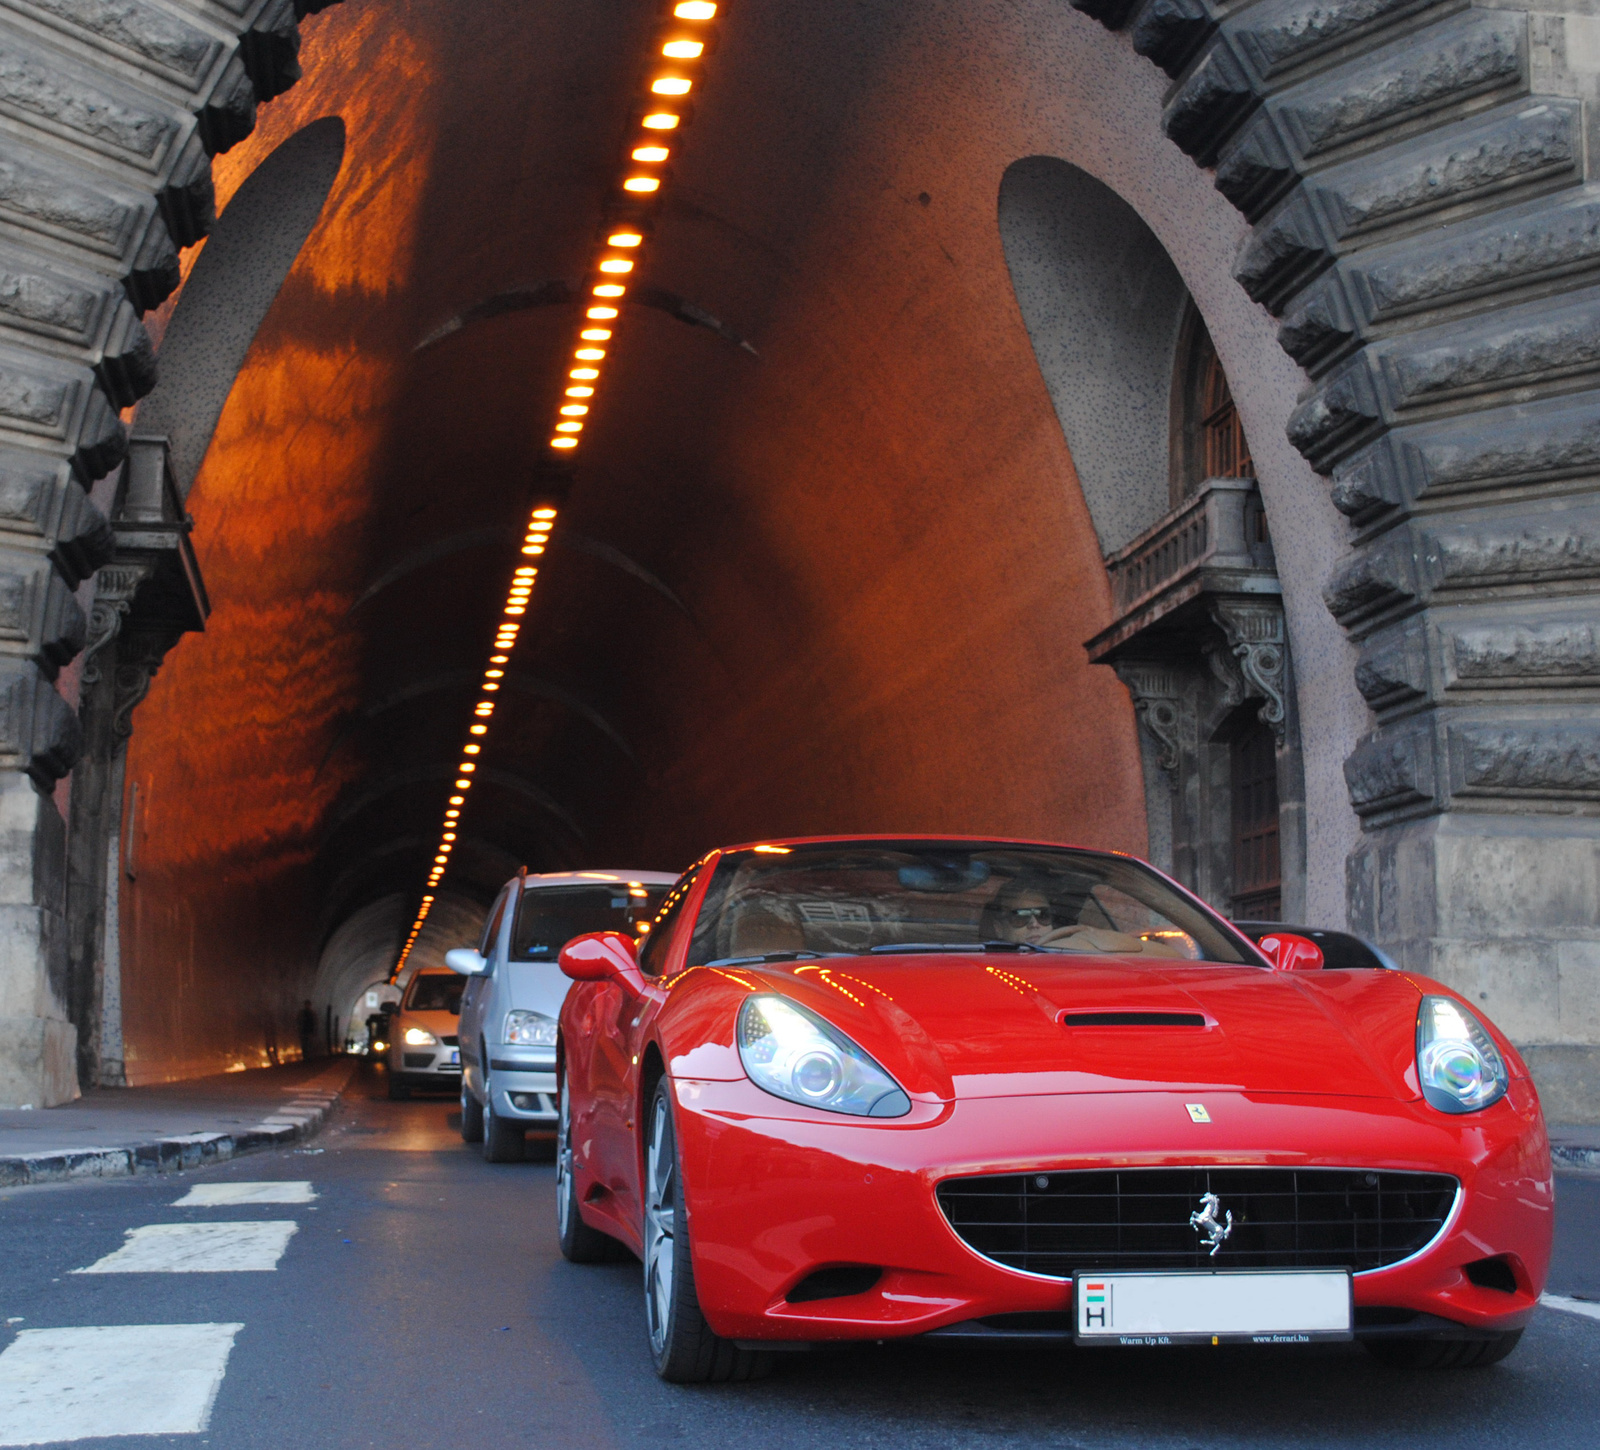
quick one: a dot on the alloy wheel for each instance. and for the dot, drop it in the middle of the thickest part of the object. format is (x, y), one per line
(660, 1224)
(563, 1161)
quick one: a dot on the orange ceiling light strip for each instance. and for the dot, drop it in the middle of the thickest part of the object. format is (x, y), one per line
(671, 76)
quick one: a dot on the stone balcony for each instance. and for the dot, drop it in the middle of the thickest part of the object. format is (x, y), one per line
(1214, 545)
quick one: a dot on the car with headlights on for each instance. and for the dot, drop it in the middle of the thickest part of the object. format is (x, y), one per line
(514, 992)
(423, 1051)
(873, 1088)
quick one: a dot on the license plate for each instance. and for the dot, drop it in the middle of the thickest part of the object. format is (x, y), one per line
(1239, 1307)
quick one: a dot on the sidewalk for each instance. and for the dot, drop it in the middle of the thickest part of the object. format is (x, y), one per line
(171, 1127)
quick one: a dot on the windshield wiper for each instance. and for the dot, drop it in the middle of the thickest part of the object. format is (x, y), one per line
(770, 957)
(953, 946)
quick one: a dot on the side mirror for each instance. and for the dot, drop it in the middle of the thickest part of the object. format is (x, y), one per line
(464, 960)
(1290, 953)
(599, 957)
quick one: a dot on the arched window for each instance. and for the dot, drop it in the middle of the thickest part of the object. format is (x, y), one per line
(1227, 453)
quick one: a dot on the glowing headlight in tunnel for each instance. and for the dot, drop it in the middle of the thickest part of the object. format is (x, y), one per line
(792, 1053)
(420, 1037)
(1459, 1067)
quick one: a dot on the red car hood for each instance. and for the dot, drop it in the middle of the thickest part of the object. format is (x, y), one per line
(994, 1026)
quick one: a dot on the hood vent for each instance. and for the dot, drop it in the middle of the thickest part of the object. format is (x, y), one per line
(1131, 1019)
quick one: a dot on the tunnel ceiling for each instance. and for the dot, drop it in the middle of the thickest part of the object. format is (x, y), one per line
(820, 526)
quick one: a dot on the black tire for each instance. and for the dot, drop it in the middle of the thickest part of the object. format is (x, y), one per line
(471, 1115)
(682, 1345)
(399, 1092)
(502, 1141)
(1443, 1353)
(580, 1244)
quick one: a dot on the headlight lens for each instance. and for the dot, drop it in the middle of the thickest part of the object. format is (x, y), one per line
(1458, 1065)
(420, 1037)
(530, 1029)
(794, 1054)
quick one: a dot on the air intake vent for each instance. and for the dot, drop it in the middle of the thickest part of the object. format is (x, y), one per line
(1283, 1218)
(1131, 1019)
(839, 1282)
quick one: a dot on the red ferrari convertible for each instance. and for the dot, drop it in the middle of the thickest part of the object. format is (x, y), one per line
(864, 1088)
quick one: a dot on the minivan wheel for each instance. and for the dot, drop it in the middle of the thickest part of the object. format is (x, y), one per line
(471, 1115)
(502, 1141)
(580, 1244)
(682, 1344)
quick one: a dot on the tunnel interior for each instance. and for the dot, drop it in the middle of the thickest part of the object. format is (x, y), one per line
(884, 392)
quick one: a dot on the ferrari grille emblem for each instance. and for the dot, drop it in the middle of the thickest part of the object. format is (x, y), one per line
(1212, 1222)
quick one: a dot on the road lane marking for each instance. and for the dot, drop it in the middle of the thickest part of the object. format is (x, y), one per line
(198, 1248)
(1570, 1306)
(131, 1379)
(216, 1195)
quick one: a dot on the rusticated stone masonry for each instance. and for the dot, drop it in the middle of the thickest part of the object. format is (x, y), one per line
(1425, 229)
(110, 113)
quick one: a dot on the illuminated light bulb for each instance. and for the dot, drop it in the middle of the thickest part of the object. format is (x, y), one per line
(543, 514)
(494, 674)
(483, 709)
(448, 836)
(649, 155)
(580, 392)
(527, 571)
(498, 660)
(642, 183)
(601, 314)
(465, 767)
(589, 354)
(573, 410)
(660, 121)
(470, 749)
(627, 238)
(569, 427)
(440, 860)
(539, 548)
(695, 10)
(463, 784)
(515, 609)
(596, 334)
(457, 800)
(536, 536)
(610, 289)
(619, 266)
(563, 442)
(490, 686)
(683, 50)
(671, 86)
(584, 374)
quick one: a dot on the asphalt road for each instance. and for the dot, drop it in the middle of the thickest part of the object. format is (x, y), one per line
(421, 1301)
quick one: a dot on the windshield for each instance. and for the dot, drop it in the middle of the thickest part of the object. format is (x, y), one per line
(892, 896)
(550, 916)
(436, 992)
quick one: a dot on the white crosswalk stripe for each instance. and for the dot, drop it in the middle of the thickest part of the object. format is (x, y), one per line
(218, 1195)
(198, 1248)
(135, 1379)
(1584, 1307)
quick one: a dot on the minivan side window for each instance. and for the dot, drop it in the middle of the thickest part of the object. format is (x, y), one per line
(653, 950)
(491, 928)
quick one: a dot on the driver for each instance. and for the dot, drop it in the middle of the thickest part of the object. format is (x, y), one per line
(1024, 914)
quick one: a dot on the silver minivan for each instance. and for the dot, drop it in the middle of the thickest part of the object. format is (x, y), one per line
(515, 989)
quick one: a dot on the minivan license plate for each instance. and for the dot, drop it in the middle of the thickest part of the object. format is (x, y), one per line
(1226, 1307)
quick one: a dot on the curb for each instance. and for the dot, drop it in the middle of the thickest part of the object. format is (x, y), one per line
(1568, 1156)
(299, 1118)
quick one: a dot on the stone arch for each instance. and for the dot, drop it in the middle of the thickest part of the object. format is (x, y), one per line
(234, 281)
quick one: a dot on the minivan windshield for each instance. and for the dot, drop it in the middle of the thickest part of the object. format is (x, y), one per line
(550, 916)
(900, 896)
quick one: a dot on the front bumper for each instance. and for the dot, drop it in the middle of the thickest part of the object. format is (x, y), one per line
(426, 1067)
(524, 1091)
(776, 1194)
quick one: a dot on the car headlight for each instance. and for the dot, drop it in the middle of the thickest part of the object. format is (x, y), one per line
(530, 1029)
(420, 1037)
(792, 1053)
(1458, 1065)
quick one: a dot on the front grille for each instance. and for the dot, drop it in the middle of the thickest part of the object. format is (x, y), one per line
(418, 1059)
(1138, 1218)
(451, 1041)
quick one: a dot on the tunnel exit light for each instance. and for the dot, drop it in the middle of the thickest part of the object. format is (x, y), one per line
(627, 229)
